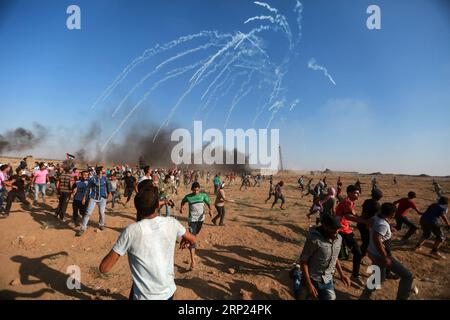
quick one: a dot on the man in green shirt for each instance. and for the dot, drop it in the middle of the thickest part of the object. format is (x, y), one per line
(196, 201)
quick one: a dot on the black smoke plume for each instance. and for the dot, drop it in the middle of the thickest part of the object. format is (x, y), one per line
(21, 139)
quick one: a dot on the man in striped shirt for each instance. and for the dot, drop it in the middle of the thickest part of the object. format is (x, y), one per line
(64, 187)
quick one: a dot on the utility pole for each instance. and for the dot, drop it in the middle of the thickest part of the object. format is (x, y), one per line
(280, 158)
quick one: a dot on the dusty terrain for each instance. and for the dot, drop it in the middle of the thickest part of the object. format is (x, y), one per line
(248, 258)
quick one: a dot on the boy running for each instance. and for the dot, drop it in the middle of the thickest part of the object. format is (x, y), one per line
(404, 205)
(279, 195)
(380, 253)
(196, 201)
(346, 211)
(429, 223)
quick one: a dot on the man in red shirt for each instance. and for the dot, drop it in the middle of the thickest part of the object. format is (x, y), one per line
(346, 211)
(404, 205)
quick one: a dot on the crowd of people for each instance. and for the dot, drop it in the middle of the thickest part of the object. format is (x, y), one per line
(151, 240)
(331, 237)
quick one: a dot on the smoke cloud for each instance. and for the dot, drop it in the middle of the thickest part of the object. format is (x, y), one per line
(21, 139)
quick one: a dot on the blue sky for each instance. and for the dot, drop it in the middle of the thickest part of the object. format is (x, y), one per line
(388, 111)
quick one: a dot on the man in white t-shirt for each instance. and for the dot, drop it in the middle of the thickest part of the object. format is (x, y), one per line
(150, 244)
(380, 253)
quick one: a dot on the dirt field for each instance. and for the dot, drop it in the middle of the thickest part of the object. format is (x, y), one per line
(248, 258)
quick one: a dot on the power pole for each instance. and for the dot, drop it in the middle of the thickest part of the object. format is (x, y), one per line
(281, 158)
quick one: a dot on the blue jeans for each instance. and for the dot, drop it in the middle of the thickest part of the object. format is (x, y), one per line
(166, 206)
(325, 290)
(115, 196)
(167, 210)
(39, 187)
(101, 211)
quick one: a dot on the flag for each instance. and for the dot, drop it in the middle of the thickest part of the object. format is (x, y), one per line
(69, 156)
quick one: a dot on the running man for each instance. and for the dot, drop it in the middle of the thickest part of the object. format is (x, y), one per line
(271, 190)
(404, 205)
(395, 183)
(115, 189)
(245, 182)
(346, 211)
(39, 182)
(150, 244)
(196, 201)
(17, 183)
(220, 205)
(319, 260)
(316, 208)
(301, 183)
(370, 208)
(438, 189)
(429, 223)
(330, 202)
(380, 253)
(129, 186)
(279, 195)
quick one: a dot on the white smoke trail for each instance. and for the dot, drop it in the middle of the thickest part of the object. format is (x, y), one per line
(299, 10)
(279, 18)
(148, 53)
(212, 94)
(239, 96)
(157, 68)
(200, 71)
(313, 65)
(218, 76)
(294, 104)
(270, 18)
(274, 108)
(137, 105)
(266, 5)
(257, 46)
(225, 92)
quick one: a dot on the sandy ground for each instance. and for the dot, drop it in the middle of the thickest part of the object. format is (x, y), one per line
(248, 258)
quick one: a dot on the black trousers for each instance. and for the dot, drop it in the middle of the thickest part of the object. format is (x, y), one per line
(350, 242)
(79, 210)
(128, 193)
(13, 194)
(64, 199)
(404, 220)
(365, 238)
(220, 214)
